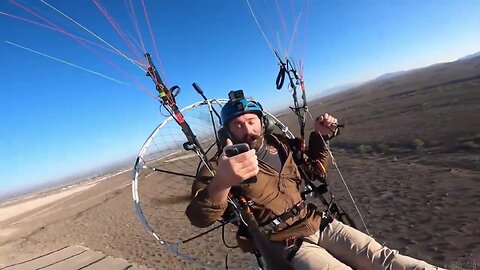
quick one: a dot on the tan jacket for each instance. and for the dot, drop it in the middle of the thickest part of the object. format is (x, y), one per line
(273, 194)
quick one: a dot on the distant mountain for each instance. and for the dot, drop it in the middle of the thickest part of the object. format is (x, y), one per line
(448, 70)
(333, 90)
(471, 56)
(391, 75)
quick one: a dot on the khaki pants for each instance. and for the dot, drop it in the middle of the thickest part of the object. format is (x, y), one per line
(343, 247)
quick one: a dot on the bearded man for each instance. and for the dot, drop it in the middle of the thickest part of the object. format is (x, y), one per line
(309, 238)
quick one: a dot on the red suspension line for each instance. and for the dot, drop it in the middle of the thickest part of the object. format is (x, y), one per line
(115, 25)
(154, 43)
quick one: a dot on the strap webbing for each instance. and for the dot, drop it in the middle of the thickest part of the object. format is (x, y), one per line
(272, 225)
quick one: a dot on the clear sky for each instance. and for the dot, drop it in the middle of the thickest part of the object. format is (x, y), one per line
(57, 120)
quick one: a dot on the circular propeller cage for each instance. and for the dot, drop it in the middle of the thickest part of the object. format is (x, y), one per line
(161, 185)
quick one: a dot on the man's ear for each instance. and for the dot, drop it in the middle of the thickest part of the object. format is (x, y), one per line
(222, 137)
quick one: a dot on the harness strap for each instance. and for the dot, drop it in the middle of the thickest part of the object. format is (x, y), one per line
(293, 249)
(272, 225)
(325, 221)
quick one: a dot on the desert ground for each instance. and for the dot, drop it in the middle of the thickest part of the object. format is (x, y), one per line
(409, 152)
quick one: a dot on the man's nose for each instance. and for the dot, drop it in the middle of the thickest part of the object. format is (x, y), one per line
(249, 129)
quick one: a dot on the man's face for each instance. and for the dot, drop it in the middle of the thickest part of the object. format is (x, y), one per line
(247, 128)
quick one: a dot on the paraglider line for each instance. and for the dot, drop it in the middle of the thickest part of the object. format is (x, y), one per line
(58, 30)
(142, 88)
(260, 28)
(292, 37)
(95, 35)
(154, 43)
(66, 62)
(343, 180)
(135, 22)
(119, 30)
(282, 18)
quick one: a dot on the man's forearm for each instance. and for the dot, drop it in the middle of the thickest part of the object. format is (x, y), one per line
(217, 192)
(205, 209)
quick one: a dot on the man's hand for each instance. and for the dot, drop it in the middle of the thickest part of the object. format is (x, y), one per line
(326, 125)
(232, 171)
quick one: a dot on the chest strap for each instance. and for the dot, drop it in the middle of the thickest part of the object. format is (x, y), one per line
(272, 225)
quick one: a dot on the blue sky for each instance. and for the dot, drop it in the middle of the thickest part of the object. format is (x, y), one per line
(57, 120)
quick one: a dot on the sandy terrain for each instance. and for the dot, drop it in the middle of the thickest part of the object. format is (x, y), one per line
(11, 211)
(410, 153)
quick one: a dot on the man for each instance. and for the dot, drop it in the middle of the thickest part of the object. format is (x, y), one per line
(310, 238)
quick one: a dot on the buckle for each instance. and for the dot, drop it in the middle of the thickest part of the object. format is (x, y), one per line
(276, 222)
(297, 208)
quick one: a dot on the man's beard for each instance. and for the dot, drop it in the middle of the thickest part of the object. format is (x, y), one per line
(254, 141)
